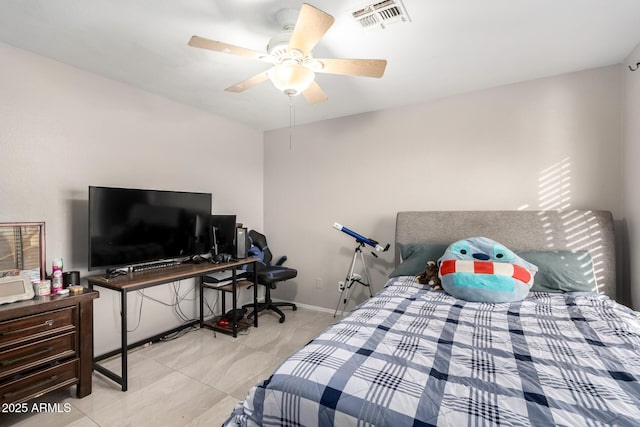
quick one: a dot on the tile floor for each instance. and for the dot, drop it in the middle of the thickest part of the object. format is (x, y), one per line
(194, 380)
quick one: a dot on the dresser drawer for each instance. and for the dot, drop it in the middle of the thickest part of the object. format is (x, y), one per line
(29, 356)
(36, 326)
(38, 383)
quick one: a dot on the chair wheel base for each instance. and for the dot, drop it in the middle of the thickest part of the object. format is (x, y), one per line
(281, 320)
(295, 308)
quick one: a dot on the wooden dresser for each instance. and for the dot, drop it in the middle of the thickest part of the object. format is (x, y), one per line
(46, 343)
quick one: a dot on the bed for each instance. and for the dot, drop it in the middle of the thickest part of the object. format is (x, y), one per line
(415, 356)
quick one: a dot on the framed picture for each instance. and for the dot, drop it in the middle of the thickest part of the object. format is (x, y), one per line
(22, 249)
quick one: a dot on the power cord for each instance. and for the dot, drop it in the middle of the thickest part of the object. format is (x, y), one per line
(177, 309)
(175, 305)
(139, 312)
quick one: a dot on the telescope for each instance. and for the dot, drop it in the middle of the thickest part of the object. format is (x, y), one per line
(360, 238)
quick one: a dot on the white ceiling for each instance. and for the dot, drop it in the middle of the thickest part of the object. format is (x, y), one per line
(449, 47)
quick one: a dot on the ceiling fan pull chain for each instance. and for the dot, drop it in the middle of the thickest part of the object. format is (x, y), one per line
(292, 119)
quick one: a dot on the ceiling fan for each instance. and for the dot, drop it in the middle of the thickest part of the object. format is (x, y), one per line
(294, 68)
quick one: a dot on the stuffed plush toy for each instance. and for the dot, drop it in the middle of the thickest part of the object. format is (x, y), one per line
(483, 270)
(430, 276)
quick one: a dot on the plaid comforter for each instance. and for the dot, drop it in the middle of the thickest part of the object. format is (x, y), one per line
(414, 357)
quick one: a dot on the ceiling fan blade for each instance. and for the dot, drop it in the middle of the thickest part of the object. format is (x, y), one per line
(314, 94)
(311, 25)
(353, 67)
(249, 83)
(217, 46)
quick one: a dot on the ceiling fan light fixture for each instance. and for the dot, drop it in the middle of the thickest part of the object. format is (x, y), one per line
(291, 78)
(278, 45)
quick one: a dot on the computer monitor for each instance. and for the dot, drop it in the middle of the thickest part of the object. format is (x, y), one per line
(223, 228)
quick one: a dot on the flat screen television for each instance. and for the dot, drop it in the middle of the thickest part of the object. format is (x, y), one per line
(134, 226)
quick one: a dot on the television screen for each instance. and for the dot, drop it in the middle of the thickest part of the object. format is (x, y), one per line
(135, 226)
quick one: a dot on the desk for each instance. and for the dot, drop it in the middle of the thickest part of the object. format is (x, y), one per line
(145, 279)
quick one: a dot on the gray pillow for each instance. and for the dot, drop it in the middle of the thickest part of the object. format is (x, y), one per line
(562, 271)
(414, 257)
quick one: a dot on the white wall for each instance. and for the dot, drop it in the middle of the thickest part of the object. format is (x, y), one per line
(632, 171)
(62, 129)
(483, 150)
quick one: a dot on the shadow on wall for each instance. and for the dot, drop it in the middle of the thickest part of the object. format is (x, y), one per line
(78, 216)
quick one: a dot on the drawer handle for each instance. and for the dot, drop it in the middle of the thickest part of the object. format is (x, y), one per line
(31, 387)
(45, 324)
(28, 356)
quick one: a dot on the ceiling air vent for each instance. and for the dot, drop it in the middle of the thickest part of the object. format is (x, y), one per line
(380, 14)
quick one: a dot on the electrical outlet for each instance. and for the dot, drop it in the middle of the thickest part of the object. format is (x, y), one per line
(319, 284)
(340, 286)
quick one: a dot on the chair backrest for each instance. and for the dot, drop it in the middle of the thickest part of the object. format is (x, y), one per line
(260, 249)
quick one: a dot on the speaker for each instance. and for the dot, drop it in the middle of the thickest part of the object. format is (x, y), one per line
(242, 243)
(70, 278)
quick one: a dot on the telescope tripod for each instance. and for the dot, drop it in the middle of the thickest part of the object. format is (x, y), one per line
(353, 277)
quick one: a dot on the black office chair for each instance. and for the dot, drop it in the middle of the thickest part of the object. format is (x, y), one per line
(269, 274)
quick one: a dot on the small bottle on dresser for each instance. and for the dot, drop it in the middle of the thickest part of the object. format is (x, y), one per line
(56, 275)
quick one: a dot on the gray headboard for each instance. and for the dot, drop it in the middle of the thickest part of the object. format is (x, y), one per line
(521, 230)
